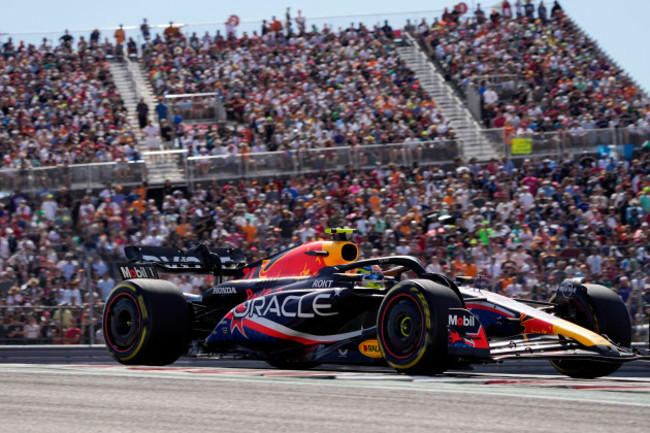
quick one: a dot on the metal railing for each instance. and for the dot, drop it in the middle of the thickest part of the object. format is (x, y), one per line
(75, 177)
(555, 144)
(59, 324)
(133, 74)
(396, 19)
(196, 107)
(294, 162)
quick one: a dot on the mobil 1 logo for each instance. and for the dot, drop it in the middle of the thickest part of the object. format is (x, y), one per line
(135, 271)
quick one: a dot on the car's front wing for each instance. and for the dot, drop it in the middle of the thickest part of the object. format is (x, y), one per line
(557, 347)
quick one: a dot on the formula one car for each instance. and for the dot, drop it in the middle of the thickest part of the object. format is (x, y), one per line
(316, 303)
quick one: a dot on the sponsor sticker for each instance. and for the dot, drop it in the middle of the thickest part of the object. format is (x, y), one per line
(567, 291)
(370, 348)
(286, 306)
(229, 290)
(134, 271)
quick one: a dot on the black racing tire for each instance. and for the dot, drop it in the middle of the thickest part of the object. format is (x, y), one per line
(412, 326)
(598, 309)
(146, 322)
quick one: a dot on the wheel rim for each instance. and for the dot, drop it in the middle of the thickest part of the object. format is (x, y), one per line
(123, 322)
(402, 328)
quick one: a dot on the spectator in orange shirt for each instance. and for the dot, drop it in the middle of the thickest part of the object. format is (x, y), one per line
(449, 199)
(120, 37)
(250, 231)
(171, 32)
(276, 25)
(184, 228)
(470, 269)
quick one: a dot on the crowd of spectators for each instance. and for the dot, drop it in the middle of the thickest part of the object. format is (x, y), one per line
(299, 90)
(521, 230)
(560, 79)
(59, 105)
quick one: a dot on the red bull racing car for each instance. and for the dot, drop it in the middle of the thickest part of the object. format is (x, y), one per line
(317, 303)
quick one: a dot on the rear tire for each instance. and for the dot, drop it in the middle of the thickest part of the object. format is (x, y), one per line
(146, 322)
(412, 326)
(598, 309)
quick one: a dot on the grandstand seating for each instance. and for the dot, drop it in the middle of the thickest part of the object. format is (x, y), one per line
(60, 106)
(556, 76)
(304, 91)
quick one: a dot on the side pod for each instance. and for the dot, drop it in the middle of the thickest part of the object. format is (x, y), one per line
(466, 335)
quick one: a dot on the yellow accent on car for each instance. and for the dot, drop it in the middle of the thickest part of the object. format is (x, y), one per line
(142, 307)
(578, 333)
(370, 348)
(335, 249)
(137, 349)
(128, 286)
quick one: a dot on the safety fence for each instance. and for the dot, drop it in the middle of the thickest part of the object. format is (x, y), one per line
(556, 144)
(160, 165)
(301, 161)
(239, 164)
(76, 177)
(194, 108)
(59, 324)
(72, 325)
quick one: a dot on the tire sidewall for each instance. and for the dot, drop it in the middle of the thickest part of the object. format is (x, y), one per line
(434, 300)
(414, 294)
(131, 291)
(165, 322)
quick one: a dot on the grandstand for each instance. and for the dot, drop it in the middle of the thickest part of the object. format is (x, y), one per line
(535, 150)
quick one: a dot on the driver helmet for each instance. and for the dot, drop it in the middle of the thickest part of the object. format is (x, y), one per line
(372, 277)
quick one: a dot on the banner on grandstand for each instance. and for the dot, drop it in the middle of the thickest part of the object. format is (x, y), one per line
(522, 146)
(617, 150)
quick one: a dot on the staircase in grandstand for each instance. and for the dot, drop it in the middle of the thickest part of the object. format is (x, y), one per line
(474, 142)
(131, 81)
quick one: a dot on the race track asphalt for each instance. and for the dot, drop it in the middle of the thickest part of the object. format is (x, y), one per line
(113, 398)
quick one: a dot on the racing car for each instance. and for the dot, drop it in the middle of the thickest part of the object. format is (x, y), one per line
(318, 303)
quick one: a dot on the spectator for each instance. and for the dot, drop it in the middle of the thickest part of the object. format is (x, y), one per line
(301, 23)
(13, 330)
(105, 284)
(146, 31)
(67, 39)
(556, 9)
(161, 110)
(172, 33)
(276, 26)
(120, 37)
(32, 331)
(94, 38)
(541, 13)
(143, 112)
(506, 10)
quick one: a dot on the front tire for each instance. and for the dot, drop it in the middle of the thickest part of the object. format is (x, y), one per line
(412, 326)
(146, 322)
(598, 309)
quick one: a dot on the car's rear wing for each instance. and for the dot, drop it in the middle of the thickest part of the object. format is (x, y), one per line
(146, 261)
